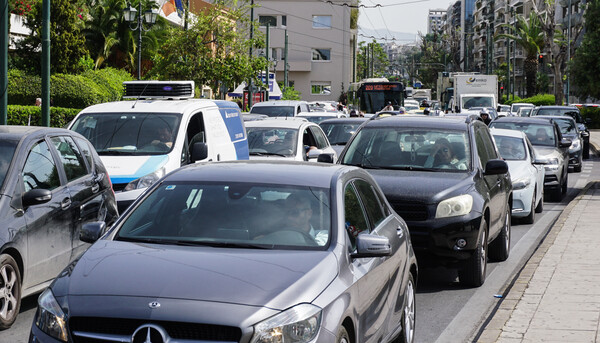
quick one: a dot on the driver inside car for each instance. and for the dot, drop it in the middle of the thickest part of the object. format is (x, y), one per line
(298, 212)
(164, 136)
(443, 156)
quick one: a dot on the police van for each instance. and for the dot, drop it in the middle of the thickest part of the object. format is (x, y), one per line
(159, 130)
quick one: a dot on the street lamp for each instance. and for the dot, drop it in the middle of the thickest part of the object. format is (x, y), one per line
(130, 14)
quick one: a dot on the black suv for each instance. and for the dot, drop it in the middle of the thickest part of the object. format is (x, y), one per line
(575, 114)
(444, 176)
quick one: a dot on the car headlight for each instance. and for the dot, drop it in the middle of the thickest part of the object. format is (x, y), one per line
(456, 206)
(296, 325)
(575, 145)
(521, 183)
(50, 318)
(552, 164)
(146, 180)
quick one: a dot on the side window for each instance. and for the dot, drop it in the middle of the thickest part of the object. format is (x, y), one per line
(319, 137)
(354, 217)
(195, 133)
(485, 146)
(40, 170)
(70, 156)
(86, 151)
(371, 202)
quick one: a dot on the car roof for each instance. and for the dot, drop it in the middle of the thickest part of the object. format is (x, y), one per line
(318, 114)
(257, 171)
(507, 132)
(283, 122)
(530, 120)
(419, 121)
(279, 103)
(558, 106)
(152, 106)
(16, 132)
(352, 120)
(558, 117)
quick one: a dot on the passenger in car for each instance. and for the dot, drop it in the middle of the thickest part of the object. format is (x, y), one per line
(443, 156)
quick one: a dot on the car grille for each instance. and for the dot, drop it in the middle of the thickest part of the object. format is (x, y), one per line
(411, 212)
(126, 327)
(119, 187)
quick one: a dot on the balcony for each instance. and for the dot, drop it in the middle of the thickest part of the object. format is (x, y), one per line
(499, 52)
(500, 5)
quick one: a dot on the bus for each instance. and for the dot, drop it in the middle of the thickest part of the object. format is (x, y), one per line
(372, 95)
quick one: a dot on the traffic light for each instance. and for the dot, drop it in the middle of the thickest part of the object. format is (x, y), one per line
(541, 58)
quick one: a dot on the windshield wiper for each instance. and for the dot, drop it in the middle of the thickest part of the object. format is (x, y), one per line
(116, 152)
(192, 243)
(266, 154)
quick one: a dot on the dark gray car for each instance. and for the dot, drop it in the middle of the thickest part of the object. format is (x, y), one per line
(242, 252)
(51, 183)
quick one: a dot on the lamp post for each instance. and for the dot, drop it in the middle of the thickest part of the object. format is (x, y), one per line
(568, 50)
(130, 14)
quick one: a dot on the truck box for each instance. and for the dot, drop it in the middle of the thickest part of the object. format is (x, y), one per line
(475, 91)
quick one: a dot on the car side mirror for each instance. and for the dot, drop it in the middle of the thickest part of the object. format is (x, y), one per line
(36, 197)
(495, 167)
(540, 161)
(368, 245)
(199, 151)
(325, 158)
(565, 143)
(91, 232)
(314, 153)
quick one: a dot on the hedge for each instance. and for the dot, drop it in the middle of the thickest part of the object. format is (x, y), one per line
(537, 100)
(70, 91)
(592, 113)
(20, 115)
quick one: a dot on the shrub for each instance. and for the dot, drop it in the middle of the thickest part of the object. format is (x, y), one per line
(510, 100)
(540, 99)
(21, 115)
(592, 113)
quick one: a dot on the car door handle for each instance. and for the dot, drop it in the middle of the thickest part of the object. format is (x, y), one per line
(400, 232)
(95, 187)
(66, 203)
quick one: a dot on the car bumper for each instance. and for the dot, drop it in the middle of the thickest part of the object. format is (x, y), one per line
(435, 239)
(522, 198)
(575, 158)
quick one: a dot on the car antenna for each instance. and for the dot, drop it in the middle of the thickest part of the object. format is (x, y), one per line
(142, 93)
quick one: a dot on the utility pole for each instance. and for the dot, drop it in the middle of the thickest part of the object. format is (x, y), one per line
(250, 84)
(285, 65)
(4, 63)
(354, 59)
(46, 63)
(568, 51)
(514, 80)
(372, 59)
(267, 66)
(507, 43)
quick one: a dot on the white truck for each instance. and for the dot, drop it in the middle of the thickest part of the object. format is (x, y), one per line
(422, 94)
(474, 91)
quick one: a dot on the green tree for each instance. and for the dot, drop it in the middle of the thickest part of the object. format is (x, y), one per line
(67, 44)
(529, 35)
(214, 49)
(585, 65)
(290, 93)
(371, 60)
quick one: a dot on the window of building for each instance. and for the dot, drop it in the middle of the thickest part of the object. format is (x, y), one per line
(267, 19)
(321, 21)
(321, 54)
(284, 20)
(320, 88)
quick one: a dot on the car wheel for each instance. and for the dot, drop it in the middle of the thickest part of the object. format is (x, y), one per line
(531, 217)
(473, 273)
(343, 336)
(540, 206)
(500, 247)
(564, 185)
(408, 313)
(10, 291)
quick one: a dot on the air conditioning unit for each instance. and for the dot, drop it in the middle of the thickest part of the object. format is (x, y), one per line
(158, 89)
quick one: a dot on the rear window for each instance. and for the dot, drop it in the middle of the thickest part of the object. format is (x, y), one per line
(274, 111)
(573, 113)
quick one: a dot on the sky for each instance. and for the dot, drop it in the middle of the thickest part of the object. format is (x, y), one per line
(395, 17)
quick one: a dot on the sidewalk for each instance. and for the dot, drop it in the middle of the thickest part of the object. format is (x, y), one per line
(556, 296)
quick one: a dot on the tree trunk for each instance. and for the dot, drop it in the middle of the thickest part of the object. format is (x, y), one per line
(558, 84)
(530, 65)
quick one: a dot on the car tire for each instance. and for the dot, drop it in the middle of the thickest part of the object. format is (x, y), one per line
(564, 185)
(10, 290)
(531, 217)
(577, 169)
(343, 336)
(408, 313)
(500, 246)
(474, 271)
(540, 206)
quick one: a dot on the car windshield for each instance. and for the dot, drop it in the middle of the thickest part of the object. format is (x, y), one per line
(516, 107)
(339, 133)
(274, 111)
(231, 215)
(272, 141)
(409, 149)
(538, 134)
(511, 148)
(129, 134)
(7, 150)
(573, 113)
(477, 101)
(525, 111)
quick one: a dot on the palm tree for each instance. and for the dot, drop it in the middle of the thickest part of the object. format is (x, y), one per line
(530, 36)
(102, 27)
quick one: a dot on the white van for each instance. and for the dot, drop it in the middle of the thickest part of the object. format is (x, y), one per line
(141, 140)
(280, 108)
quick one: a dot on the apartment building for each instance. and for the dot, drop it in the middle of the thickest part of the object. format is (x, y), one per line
(320, 44)
(435, 20)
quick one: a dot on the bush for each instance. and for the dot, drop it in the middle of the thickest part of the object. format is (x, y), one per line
(20, 115)
(510, 100)
(540, 99)
(592, 113)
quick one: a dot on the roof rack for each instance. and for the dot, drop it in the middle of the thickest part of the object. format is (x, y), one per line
(158, 89)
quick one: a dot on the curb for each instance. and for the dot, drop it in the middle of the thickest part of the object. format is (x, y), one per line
(493, 325)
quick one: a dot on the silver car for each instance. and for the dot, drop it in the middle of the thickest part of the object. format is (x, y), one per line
(248, 251)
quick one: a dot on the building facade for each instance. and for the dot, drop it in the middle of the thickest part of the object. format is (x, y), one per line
(435, 20)
(319, 44)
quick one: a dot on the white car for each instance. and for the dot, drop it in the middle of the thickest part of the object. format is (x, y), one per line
(317, 117)
(287, 138)
(280, 108)
(514, 108)
(503, 110)
(526, 173)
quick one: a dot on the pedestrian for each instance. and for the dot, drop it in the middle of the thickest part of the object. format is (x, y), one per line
(389, 107)
(38, 102)
(485, 116)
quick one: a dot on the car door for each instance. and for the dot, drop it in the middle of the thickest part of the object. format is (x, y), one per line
(538, 169)
(49, 224)
(322, 141)
(494, 184)
(370, 274)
